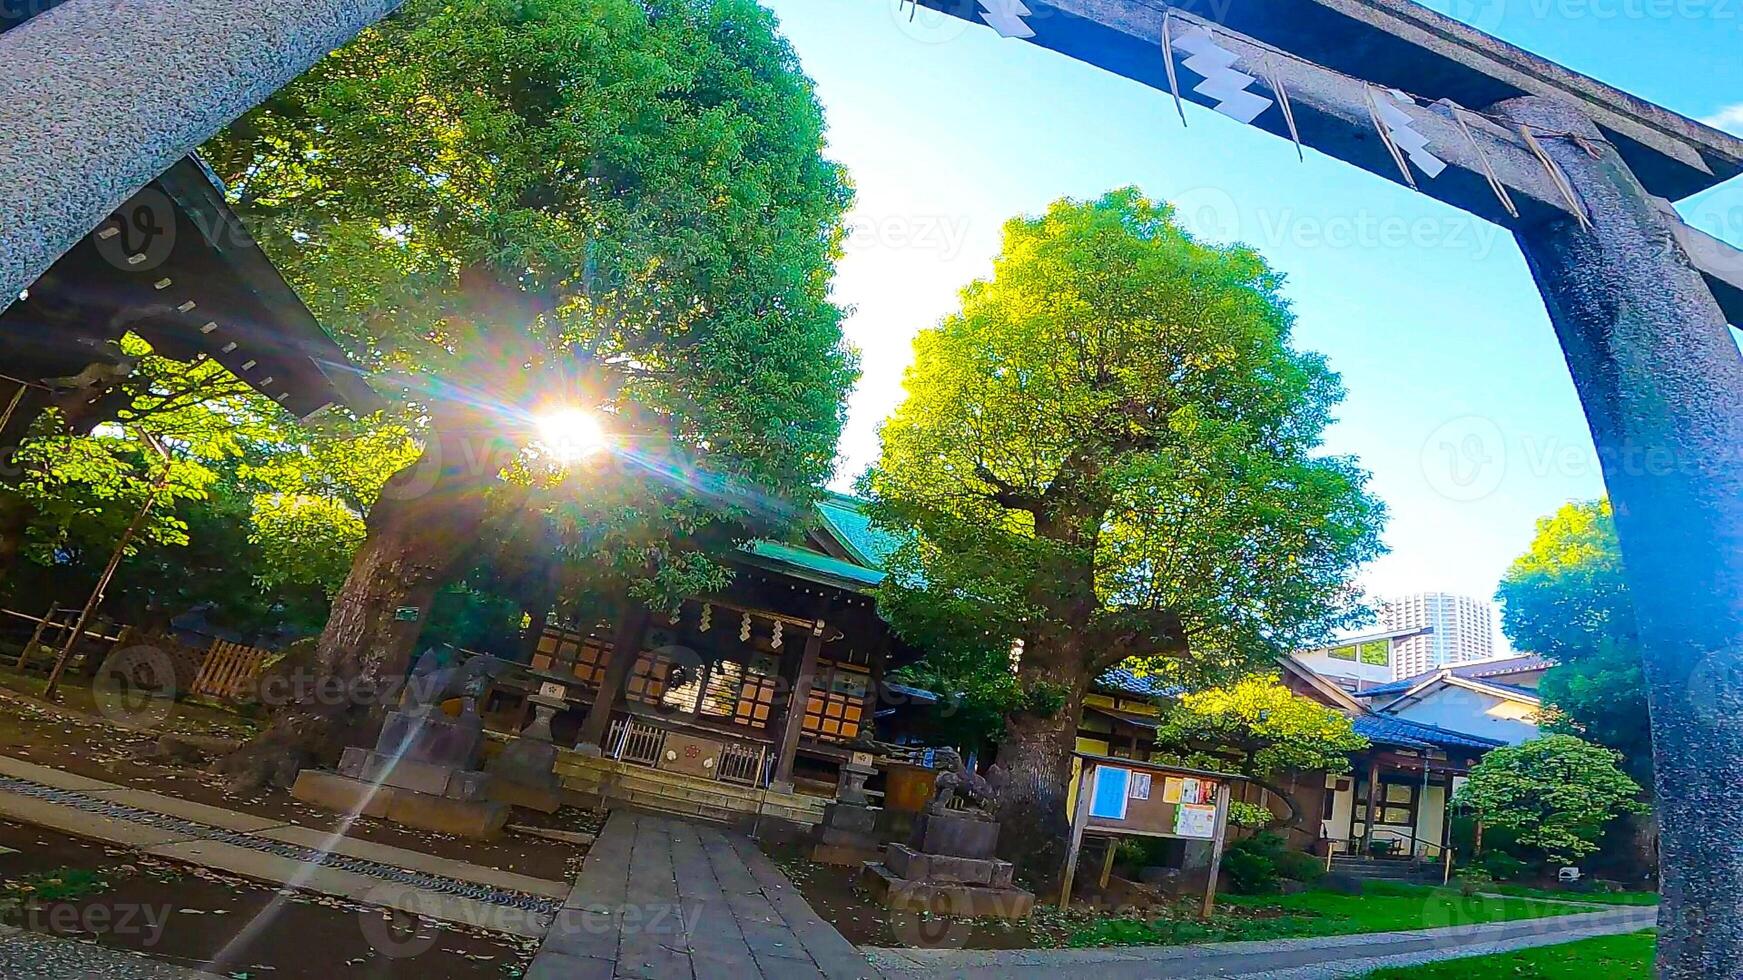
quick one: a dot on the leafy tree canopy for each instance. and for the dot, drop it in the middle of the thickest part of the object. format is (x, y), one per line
(1112, 452)
(1556, 792)
(617, 204)
(1566, 598)
(1113, 436)
(256, 521)
(1259, 728)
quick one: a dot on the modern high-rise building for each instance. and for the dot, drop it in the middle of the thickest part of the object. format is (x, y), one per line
(1463, 630)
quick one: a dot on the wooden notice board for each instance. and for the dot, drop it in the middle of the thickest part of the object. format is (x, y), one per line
(1132, 798)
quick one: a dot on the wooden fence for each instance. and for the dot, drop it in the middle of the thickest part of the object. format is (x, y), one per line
(229, 671)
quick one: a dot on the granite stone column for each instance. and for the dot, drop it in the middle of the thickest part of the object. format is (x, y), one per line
(97, 97)
(1661, 380)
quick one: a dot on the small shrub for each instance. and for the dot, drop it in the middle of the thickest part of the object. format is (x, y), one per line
(1250, 873)
(1501, 866)
(1472, 881)
(1300, 866)
(1132, 853)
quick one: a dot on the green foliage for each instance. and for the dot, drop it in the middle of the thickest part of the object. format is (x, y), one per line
(1556, 792)
(59, 885)
(620, 205)
(1566, 597)
(1252, 863)
(1380, 908)
(1269, 728)
(1500, 865)
(975, 699)
(1249, 815)
(1300, 866)
(258, 519)
(1250, 873)
(304, 540)
(1473, 881)
(1112, 447)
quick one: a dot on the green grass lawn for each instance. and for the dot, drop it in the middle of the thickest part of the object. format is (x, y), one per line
(1596, 898)
(1383, 907)
(1609, 957)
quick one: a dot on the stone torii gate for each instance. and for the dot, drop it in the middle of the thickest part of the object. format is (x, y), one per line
(97, 97)
(1583, 175)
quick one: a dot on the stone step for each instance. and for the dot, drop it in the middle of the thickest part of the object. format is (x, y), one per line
(589, 776)
(651, 789)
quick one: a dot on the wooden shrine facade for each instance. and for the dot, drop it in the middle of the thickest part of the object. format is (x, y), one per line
(766, 684)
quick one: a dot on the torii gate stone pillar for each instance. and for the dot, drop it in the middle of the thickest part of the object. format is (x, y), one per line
(1661, 380)
(97, 97)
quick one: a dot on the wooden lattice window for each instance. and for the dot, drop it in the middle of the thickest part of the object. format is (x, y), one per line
(756, 695)
(577, 654)
(647, 679)
(837, 703)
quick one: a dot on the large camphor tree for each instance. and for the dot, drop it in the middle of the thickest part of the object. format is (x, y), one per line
(1112, 453)
(510, 206)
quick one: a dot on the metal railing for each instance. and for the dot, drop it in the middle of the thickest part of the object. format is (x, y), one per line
(643, 743)
(637, 741)
(741, 764)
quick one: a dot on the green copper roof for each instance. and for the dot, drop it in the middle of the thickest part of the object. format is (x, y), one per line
(845, 518)
(815, 565)
(842, 518)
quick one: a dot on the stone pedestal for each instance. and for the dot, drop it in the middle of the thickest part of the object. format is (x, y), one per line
(848, 836)
(948, 868)
(422, 773)
(524, 772)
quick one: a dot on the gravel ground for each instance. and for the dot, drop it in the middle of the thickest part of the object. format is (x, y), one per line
(34, 956)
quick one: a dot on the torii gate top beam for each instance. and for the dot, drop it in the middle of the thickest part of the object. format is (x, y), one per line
(1391, 43)
(1495, 171)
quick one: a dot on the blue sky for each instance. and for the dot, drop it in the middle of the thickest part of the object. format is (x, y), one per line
(1459, 402)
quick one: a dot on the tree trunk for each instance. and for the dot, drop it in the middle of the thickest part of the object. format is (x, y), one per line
(14, 521)
(1036, 760)
(427, 519)
(1661, 381)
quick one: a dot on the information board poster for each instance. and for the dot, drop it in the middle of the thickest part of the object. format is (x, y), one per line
(1195, 820)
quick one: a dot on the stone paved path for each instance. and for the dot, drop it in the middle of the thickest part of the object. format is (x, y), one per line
(662, 898)
(1287, 959)
(276, 852)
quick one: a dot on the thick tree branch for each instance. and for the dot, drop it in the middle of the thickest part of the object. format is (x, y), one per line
(1118, 635)
(1006, 494)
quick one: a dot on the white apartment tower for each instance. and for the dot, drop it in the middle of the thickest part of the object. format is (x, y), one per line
(1464, 629)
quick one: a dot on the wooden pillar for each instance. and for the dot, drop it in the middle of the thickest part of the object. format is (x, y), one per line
(1373, 805)
(1080, 819)
(1107, 863)
(1216, 849)
(793, 719)
(626, 646)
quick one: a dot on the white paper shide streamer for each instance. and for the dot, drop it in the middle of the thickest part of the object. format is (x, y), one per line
(1401, 128)
(1221, 81)
(1006, 17)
